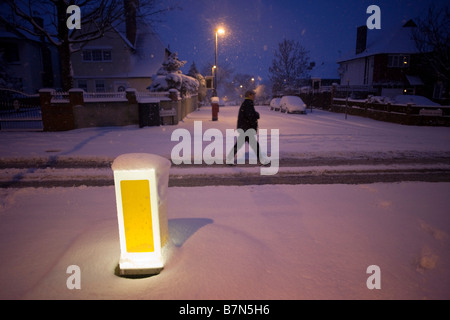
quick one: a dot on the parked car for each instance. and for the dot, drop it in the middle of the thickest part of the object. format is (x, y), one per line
(417, 100)
(275, 104)
(292, 104)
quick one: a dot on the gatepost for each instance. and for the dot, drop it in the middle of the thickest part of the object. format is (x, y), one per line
(141, 184)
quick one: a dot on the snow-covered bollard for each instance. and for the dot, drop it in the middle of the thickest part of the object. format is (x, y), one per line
(215, 108)
(141, 183)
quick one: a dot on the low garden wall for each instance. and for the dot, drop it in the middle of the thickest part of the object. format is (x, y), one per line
(397, 113)
(408, 114)
(77, 109)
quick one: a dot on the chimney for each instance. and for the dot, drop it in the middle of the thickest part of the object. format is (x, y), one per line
(361, 39)
(130, 7)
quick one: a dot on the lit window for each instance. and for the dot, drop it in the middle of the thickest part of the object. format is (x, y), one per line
(398, 61)
(405, 61)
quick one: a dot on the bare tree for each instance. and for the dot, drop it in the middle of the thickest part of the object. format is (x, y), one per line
(289, 66)
(432, 37)
(224, 73)
(98, 17)
(242, 83)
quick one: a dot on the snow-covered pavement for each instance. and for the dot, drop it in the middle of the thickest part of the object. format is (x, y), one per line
(274, 241)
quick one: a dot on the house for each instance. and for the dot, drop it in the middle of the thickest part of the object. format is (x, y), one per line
(29, 62)
(389, 62)
(324, 74)
(125, 57)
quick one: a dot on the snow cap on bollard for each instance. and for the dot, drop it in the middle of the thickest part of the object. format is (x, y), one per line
(141, 182)
(215, 100)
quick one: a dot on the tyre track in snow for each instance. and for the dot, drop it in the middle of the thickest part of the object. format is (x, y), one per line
(320, 170)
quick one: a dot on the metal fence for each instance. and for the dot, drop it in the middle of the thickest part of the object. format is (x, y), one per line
(19, 111)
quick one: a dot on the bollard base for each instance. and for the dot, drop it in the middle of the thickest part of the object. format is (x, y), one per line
(139, 273)
(144, 264)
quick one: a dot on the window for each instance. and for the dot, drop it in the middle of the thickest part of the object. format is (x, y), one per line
(398, 61)
(107, 55)
(10, 52)
(437, 90)
(97, 55)
(100, 86)
(87, 55)
(82, 84)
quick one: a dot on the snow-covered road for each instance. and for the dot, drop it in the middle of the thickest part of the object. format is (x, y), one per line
(190, 176)
(241, 241)
(319, 134)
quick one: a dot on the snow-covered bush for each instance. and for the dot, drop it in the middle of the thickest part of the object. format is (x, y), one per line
(189, 86)
(194, 73)
(169, 76)
(379, 99)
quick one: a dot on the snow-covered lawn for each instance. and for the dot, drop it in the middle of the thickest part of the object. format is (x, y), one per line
(248, 242)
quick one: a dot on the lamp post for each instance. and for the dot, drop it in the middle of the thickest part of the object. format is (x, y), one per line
(218, 31)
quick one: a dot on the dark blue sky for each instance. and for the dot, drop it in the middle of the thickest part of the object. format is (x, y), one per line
(327, 29)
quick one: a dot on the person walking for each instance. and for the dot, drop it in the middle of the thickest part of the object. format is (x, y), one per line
(247, 120)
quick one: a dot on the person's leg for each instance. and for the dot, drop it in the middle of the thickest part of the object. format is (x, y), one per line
(232, 154)
(254, 143)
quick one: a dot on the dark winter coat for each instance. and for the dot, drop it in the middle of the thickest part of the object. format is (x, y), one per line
(248, 117)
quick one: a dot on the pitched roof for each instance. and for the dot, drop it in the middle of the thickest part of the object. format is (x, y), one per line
(399, 40)
(148, 50)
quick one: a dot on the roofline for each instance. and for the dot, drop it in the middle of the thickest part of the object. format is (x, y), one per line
(361, 56)
(373, 49)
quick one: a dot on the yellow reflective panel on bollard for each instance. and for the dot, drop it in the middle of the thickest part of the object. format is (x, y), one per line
(141, 183)
(137, 215)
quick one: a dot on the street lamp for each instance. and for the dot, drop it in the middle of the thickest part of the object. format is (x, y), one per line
(220, 31)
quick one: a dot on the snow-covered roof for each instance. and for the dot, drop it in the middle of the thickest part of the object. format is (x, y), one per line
(148, 50)
(399, 40)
